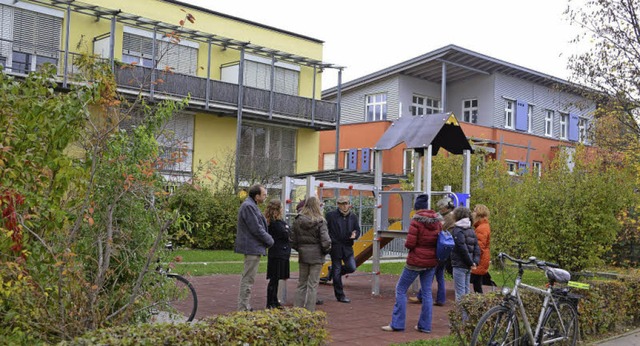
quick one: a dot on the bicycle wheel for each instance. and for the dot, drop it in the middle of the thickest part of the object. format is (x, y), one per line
(497, 327)
(178, 300)
(556, 332)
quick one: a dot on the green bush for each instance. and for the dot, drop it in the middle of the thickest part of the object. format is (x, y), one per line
(210, 219)
(265, 327)
(607, 308)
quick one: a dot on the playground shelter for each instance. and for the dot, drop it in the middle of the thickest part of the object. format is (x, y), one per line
(424, 134)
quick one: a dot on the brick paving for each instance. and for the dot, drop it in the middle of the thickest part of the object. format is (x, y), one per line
(357, 323)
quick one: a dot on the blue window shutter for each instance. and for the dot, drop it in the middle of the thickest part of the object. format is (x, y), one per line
(521, 115)
(573, 127)
(352, 163)
(364, 160)
(522, 167)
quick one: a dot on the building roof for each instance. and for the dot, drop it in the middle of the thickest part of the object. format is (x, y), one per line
(440, 130)
(461, 64)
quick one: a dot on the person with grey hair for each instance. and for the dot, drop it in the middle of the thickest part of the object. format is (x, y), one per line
(252, 240)
(466, 252)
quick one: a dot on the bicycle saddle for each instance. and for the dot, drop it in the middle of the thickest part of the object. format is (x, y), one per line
(558, 275)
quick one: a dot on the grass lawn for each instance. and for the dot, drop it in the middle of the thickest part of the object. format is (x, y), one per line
(210, 262)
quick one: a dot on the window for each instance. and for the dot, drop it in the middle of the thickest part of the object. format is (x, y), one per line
(29, 36)
(470, 111)
(376, 107)
(508, 114)
(138, 48)
(266, 153)
(564, 123)
(582, 130)
(530, 118)
(537, 168)
(512, 167)
(257, 74)
(407, 163)
(329, 161)
(548, 123)
(176, 143)
(421, 105)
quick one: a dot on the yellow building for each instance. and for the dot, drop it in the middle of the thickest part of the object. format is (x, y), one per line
(272, 115)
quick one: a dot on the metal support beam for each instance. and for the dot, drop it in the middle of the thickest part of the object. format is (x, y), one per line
(239, 123)
(377, 224)
(426, 182)
(443, 89)
(154, 63)
(313, 98)
(271, 86)
(207, 97)
(466, 174)
(66, 46)
(338, 109)
(112, 43)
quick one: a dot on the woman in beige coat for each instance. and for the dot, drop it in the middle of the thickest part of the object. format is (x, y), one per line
(310, 237)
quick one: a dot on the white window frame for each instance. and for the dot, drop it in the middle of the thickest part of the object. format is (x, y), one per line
(421, 105)
(375, 107)
(530, 118)
(470, 112)
(512, 167)
(548, 123)
(509, 111)
(564, 125)
(537, 168)
(582, 129)
(328, 161)
(407, 161)
(162, 53)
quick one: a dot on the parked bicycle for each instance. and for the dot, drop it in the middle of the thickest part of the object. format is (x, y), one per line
(173, 298)
(557, 322)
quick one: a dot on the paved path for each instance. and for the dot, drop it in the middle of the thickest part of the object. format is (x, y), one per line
(628, 339)
(357, 323)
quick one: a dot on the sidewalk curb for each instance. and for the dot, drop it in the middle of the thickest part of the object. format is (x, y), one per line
(615, 337)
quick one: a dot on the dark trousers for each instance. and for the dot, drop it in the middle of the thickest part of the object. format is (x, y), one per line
(272, 293)
(338, 268)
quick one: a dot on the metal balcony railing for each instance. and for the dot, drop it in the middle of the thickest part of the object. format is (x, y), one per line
(138, 79)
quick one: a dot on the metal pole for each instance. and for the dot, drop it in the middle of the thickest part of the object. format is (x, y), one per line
(112, 43)
(207, 97)
(154, 62)
(427, 173)
(338, 110)
(66, 47)
(377, 223)
(273, 82)
(466, 178)
(239, 124)
(443, 88)
(313, 98)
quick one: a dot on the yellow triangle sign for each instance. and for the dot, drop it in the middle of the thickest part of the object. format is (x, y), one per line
(452, 120)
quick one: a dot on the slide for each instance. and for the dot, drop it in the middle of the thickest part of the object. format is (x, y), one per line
(363, 248)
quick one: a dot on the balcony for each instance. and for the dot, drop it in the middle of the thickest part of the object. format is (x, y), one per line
(219, 97)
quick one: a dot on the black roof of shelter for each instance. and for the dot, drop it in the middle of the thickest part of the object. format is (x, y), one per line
(354, 177)
(441, 130)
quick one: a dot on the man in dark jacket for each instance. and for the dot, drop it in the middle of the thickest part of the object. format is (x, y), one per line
(343, 230)
(252, 240)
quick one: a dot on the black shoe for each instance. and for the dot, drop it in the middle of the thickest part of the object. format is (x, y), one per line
(319, 302)
(344, 300)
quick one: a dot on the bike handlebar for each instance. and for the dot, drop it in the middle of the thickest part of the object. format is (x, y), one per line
(530, 260)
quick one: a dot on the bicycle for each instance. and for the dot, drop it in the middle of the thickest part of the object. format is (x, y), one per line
(557, 322)
(173, 298)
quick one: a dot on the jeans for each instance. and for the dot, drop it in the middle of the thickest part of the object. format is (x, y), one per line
(461, 277)
(440, 295)
(251, 263)
(399, 315)
(307, 291)
(337, 270)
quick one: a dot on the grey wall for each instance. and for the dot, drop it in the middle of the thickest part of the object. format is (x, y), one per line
(479, 87)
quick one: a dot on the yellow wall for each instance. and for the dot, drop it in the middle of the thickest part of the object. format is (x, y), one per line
(308, 147)
(205, 22)
(214, 138)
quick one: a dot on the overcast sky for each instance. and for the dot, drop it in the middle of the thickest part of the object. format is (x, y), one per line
(367, 36)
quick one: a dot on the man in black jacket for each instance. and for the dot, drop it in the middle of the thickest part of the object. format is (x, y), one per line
(343, 230)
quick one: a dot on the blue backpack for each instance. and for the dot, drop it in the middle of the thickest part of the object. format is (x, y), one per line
(444, 246)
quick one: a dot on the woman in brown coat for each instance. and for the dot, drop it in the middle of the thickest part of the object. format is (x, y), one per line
(483, 232)
(310, 237)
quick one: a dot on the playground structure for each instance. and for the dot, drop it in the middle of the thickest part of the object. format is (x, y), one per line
(425, 135)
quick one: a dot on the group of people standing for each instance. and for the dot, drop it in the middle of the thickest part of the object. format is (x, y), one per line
(312, 235)
(469, 259)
